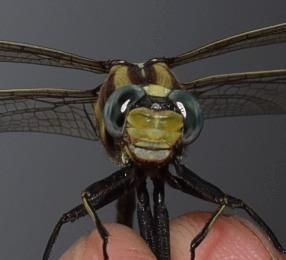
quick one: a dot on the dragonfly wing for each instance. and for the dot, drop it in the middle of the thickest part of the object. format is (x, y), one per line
(25, 53)
(57, 111)
(260, 37)
(241, 94)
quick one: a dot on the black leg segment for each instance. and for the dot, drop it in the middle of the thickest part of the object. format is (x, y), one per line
(203, 233)
(101, 229)
(161, 221)
(125, 208)
(190, 183)
(144, 215)
(70, 216)
(95, 197)
(103, 192)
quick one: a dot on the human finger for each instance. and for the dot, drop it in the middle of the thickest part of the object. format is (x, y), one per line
(230, 237)
(123, 243)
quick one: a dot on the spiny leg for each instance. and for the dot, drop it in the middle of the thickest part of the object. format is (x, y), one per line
(161, 221)
(125, 208)
(70, 216)
(144, 215)
(86, 197)
(203, 233)
(190, 183)
(103, 192)
(99, 194)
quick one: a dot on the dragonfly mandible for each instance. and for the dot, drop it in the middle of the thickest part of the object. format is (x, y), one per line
(145, 118)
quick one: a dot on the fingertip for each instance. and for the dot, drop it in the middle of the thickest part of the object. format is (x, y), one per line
(76, 251)
(230, 238)
(123, 243)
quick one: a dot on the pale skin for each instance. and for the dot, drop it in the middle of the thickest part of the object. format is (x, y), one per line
(230, 238)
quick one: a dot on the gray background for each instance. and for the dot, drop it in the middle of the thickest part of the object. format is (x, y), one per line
(41, 176)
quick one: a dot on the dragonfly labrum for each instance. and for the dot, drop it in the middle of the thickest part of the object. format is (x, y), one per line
(145, 117)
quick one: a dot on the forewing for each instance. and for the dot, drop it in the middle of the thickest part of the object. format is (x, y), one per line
(265, 36)
(25, 53)
(241, 94)
(57, 111)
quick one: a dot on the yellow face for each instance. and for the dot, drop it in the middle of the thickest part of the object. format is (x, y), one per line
(133, 126)
(152, 134)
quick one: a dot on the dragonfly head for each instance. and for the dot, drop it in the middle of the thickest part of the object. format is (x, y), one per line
(151, 122)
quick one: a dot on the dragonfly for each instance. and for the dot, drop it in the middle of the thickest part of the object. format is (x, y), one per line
(145, 118)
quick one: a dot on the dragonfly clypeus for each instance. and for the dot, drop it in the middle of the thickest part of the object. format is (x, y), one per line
(145, 118)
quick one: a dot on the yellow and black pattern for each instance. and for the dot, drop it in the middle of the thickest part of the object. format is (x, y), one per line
(73, 113)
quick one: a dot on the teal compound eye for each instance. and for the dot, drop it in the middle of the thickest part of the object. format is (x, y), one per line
(191, 112)
(117, 107)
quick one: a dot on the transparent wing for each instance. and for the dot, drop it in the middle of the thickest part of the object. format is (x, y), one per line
(260, 37)
(57, 111)
(241, 94)
(25, 53)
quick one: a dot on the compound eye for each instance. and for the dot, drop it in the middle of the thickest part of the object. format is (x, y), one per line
(191, 111)
(117, 106)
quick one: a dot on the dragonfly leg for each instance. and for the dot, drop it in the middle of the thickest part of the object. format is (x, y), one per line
(70, 216)
(95, 197)
(161, 221)
(191, 183)
(144, 215)
(203, 233)
(103, 192)
(125, 208)
(86, 197)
